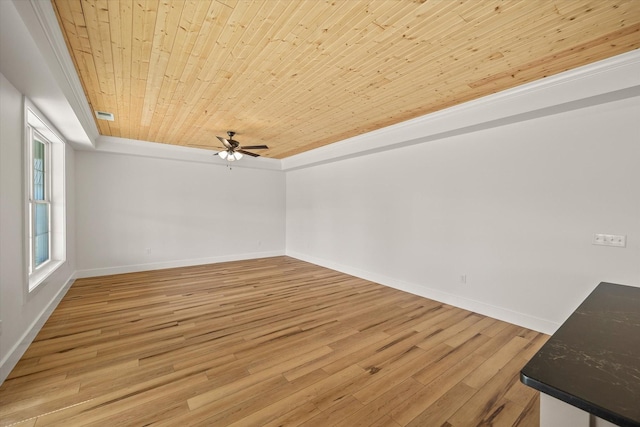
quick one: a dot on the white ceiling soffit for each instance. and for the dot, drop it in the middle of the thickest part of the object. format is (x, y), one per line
(598, 83)
(35, 59)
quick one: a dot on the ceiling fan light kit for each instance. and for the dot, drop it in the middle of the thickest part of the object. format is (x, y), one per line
(234, 151)
(230, 156)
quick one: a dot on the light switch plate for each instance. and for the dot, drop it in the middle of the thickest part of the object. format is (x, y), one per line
(617, 240)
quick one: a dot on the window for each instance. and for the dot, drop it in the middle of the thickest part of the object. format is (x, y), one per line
(45, 207)
(39, 203)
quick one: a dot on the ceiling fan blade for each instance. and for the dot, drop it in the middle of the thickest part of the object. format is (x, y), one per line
(248, 153)
(225, 142)
(255, 147)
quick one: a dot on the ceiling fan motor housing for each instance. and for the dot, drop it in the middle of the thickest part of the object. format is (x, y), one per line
(232, 141)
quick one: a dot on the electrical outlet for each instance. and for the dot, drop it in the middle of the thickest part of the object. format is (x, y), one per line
(463, 278)
(617, 240)
(148, 251)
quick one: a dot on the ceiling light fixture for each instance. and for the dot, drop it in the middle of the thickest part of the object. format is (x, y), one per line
(230, 156)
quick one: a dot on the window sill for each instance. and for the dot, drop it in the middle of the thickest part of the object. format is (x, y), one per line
(41, 275)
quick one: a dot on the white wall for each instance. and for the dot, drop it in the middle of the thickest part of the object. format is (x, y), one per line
(22, 313)
(184, 213)
(514, 208)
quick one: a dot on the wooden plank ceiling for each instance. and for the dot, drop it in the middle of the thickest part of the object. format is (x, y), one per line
(300, 74)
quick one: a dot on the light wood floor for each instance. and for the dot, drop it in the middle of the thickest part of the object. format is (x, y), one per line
(271, 342)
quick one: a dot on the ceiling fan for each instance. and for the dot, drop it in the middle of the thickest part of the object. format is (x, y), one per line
(233, 150)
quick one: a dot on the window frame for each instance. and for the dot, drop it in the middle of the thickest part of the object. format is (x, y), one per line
(37, 126)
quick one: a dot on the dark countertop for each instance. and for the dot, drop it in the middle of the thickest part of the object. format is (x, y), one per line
(593, 360)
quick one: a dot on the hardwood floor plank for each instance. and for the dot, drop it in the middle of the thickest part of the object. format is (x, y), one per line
(268, 342)
(437, 413)
(340, 351)
(235, 406)
(391, 378)
(334, 413)
(117, 410)
(295, 417)
(380, 407)
(530, 417)
(433, 391)
(375, 379)
(496, 362)
(520, 394)
(499, 340)
(477, 408)
(504, 413)
(451, 359)
(294, 400)
(10, 408)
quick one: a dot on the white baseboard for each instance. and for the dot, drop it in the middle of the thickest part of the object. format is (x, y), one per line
(106, 271)
(13, 356)
(500, 313)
